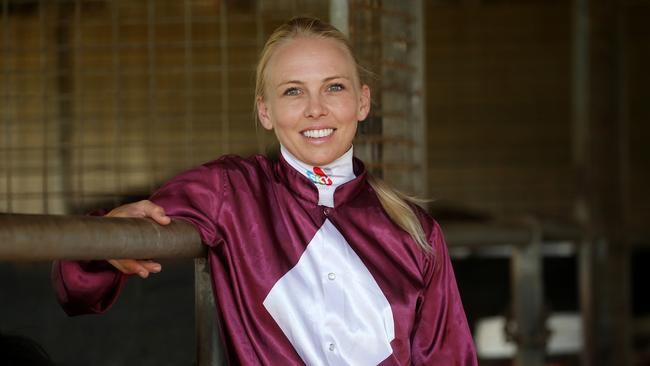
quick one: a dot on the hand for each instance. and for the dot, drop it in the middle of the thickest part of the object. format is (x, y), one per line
(147, 209)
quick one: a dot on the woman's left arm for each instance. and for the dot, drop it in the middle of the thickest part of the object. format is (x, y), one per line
(441, 335)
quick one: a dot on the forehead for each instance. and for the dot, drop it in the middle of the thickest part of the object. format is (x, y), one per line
(305, 58)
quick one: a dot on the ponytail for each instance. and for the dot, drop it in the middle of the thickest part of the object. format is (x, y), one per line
(398, 207)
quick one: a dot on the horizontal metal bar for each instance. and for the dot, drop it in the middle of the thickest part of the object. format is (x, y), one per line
(515, 233)
(557, 231)
(477, 235)
(49, 237)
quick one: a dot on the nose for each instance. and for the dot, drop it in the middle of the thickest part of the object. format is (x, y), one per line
(315, 107)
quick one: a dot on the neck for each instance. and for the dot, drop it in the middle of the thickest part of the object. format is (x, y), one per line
(326, 177)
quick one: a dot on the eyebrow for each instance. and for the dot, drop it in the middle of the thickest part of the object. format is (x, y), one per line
(329, 78)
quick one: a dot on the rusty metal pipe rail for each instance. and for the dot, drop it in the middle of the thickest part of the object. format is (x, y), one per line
(26, 237)
(50, 237)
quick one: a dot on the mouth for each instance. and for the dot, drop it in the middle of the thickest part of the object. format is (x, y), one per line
(318, 134)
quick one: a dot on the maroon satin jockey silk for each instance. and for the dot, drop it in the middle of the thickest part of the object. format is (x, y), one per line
(257, 216)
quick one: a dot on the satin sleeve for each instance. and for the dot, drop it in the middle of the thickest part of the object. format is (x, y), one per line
(441, 335)
(195, 196)
(92, 287)
(86, 287)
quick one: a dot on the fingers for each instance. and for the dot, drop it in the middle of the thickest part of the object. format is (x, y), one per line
(140, 267)
(157, 213)
(151, 266)
(144, 208)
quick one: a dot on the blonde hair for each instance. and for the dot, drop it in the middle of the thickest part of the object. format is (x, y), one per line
(397, 205)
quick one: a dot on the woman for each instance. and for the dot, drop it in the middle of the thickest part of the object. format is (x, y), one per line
(313, 261)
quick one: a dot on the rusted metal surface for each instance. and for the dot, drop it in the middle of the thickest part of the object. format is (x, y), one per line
(50, 237)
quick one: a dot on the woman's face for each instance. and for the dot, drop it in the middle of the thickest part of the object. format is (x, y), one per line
(313, 99)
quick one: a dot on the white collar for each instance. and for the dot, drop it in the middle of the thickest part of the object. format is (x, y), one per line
(327, 177)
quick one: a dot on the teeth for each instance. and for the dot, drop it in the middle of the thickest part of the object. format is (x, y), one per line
(318, 133)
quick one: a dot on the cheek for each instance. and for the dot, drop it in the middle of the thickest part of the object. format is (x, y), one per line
(286, 116)
(344, 109)
(292, 107)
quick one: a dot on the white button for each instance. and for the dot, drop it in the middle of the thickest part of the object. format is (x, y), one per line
(331, 276)
(332, 347)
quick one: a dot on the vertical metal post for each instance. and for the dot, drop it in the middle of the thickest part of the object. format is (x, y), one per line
(43, 32)
(527, 301)
(65, 91)
(8, 101)
(580, 132)
(189, 84)
(225, 78)
(79, 95)
(418, 100)
(396, 73)
(118, 155)
(587, 310)
(600, 156)
(152, 93)
(339, 15)
(208, 341)
(260, 139)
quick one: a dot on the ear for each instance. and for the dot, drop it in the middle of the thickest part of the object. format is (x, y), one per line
(364, 103)
(263, 113)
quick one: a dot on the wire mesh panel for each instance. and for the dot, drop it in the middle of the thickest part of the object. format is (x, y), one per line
(30, 164)
(104, 100)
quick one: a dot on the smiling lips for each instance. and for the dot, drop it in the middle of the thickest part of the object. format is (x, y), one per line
(315, 134)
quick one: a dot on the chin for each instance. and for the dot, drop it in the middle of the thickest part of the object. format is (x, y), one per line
(320, 161)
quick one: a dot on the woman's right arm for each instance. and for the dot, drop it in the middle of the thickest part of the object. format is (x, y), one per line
(91, 287)
(87, 287)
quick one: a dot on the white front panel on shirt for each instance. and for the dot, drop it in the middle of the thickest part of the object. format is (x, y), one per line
(330, 307)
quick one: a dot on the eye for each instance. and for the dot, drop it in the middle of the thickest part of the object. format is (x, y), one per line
(291, 92)
(335, 87)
